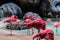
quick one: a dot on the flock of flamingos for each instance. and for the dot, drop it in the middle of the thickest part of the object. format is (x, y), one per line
(31, 22)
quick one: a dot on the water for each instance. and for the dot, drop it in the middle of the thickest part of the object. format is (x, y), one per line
(48, 26)
(51, 26)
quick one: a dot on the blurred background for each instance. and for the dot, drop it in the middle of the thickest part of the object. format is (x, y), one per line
(37, 6)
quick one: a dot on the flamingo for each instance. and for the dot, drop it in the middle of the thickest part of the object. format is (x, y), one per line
(32, 20)
(27, 14)
(38, 24)
(11, 20)
(56, 25)
(28, 23)
(18, 21)
(48, 20)
(28, 20)
(46, 34)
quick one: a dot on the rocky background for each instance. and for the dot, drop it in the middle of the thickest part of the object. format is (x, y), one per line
(42, 7)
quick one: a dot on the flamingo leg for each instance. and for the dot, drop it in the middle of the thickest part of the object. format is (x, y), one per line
(38, 37)
(56, 32)
(38, 32)
(11, 30)
(32, 30)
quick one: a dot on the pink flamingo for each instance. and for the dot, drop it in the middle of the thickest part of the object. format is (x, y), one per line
(33, 17)
(48, 20)
(28, 16)
(38, 24)
(18, 21)
(28, 23)
(11, 20)
(46, 34)
(33, 20)
(57, 24)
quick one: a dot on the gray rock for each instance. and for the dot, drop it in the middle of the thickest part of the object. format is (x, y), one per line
(32, 14)
(11, 8)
